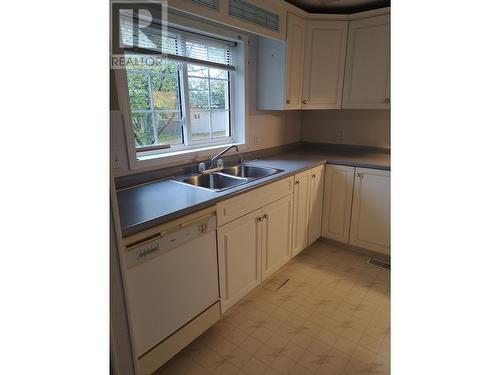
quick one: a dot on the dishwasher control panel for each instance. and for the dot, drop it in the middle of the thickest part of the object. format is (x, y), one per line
(164, 242)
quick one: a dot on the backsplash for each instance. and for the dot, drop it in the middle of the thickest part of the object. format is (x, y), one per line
(365, 127)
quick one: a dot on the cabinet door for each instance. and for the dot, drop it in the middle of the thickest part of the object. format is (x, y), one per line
(371, 210)
(324, 64)
(276, 235)
(367, 76)
(300, 212)
(337, 202)
(295, 61)
(315, 203)
(239, 249)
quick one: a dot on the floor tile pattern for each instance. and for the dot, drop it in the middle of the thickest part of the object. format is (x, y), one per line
(331, 317)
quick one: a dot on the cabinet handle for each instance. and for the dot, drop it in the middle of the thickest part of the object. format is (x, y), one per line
(297, 182)
(359, 174)
(313, 176)
(265, 216)
(288, 101)
(260, 218)
(304, 101)
(386, 100)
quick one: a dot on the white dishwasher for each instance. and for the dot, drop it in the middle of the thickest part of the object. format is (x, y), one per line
(171, 278)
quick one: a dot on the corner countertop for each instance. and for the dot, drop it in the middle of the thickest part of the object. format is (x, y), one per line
(158, 202)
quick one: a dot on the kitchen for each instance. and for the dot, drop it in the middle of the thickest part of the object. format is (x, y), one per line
(250, 187)
(229, 174)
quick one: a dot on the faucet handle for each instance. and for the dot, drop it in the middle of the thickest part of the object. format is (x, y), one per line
(220, 163)
(202, 167)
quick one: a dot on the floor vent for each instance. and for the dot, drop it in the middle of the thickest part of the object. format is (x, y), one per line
(380, 264)
(275, 284)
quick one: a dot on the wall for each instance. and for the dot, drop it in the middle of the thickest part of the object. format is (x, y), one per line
(266, 128)
(367, 127)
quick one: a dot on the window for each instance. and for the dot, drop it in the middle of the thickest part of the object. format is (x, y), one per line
(183, 99)
(155, 104)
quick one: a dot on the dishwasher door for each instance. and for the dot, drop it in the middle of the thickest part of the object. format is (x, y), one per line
(170, 280)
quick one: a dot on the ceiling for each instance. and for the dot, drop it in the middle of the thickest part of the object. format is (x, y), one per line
(339, 6)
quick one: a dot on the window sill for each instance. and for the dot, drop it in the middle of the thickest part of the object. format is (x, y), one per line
(183, 152)
(173, 158)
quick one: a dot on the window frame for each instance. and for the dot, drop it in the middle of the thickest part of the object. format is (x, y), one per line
(187, 107)
(152, 111)
(185, 110)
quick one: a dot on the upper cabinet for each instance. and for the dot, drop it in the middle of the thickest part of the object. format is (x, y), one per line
(281, 68)
(367, 71)
(327, 64)
(324, 64)
(306, 71)
(296, 31)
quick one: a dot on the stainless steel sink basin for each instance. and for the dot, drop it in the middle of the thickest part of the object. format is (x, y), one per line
(214, 181)
(250, 171)
(227, 178)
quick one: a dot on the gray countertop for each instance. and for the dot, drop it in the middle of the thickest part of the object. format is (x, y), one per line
(145, 206)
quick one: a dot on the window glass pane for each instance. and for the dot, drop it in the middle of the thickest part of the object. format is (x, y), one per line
(165, 91)
(169, 128)
(200, 125)
(220, 124)
(138, 89)
(197, 71)
(218, 94)
(142, 125)
(198, 92)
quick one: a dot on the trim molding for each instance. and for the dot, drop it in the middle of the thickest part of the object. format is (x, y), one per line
(386, 258)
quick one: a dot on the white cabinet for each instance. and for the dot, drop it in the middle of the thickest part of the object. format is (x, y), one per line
(339, 182)
(300, 212)
(356, 207)
(239, 249)
(276, 235)
(254, 246)
(281, 68)
(296, 30)
(371, 210)
(315, 204)
(324, 64)
(367, 71)
(305, 72)
(307, 208)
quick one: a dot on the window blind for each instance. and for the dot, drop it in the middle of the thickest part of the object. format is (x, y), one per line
(178, 44)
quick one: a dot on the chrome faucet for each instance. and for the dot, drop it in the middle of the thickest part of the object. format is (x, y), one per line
(222, 153)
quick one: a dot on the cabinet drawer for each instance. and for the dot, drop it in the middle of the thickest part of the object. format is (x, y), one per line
(240, 205)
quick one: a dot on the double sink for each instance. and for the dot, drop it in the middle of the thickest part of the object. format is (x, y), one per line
(227, 178)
